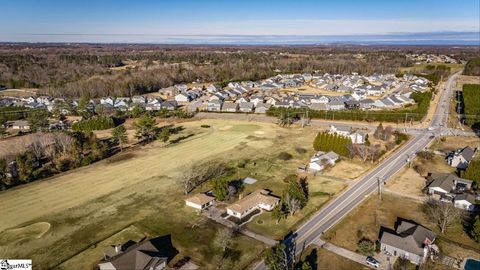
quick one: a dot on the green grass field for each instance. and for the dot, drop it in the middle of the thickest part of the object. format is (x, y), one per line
(70, 217)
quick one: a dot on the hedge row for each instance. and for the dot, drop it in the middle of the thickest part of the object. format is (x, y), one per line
(96, 123)
(471, 97)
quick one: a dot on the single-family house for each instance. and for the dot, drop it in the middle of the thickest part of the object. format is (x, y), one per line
(352, 104)
(460, 158)
(366, 104)
(336, 104)
(379, 104)
(230, 107)
(181, 87)
(19, 125)
(262, 107)
(107, 100)
(200, 201)
(169, 105)
(320, 160)
(441, 184)
(465, 201)
(139, 100)
(320, 99)
(182, 97)
(319, 106)
(259, 199)
(153, 254)
(214, 105)
(357, 137)
(256, 99)
(242, 100)
(410, 241)
(246, 107)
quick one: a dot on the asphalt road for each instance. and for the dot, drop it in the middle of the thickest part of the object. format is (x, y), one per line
(334, 211)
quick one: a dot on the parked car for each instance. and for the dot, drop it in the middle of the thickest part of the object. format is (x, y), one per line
(371, 261)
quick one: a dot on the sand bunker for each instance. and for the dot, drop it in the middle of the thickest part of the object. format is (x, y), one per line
(36, 230)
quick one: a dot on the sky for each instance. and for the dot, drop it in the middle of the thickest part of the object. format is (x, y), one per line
(148, 20)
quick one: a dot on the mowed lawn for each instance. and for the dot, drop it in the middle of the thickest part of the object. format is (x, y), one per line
(88, 205)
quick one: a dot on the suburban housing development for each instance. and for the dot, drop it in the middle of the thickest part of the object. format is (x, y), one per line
(232, 135)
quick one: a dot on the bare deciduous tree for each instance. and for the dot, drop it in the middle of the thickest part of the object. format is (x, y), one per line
(197, 175)
(443, 213)
(223, 239)
(62, 143)
(293, 204)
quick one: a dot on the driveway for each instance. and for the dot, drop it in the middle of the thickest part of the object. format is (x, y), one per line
(386, 262)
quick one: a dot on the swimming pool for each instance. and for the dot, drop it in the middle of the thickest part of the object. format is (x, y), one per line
(471, 264)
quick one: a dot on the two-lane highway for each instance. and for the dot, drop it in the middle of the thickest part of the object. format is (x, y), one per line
(340, 206)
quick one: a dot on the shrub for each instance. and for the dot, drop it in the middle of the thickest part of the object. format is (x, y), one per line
(366, 247)
(284, 156)
(96, 123)
(205, 126)
(426, 155)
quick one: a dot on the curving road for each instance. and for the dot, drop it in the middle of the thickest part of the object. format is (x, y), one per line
(334, 211)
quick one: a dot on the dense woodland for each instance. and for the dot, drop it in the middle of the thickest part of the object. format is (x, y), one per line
(472, 68)
(123, 70)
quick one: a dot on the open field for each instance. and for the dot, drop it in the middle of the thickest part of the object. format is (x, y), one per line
(421, 67)
(327, 260)
(408, 182)
(348, 170)
(90, 204)
(19, 92)
(453, 143)
(365, 222)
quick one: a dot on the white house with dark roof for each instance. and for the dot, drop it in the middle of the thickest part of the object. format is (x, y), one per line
(321, 159)
(465, 201)
(460, 158)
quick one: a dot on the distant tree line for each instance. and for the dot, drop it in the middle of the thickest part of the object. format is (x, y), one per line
(70, 71)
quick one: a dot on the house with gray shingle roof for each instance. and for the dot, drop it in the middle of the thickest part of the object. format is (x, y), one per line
(144, 255)
(410, 241)
(460, 158)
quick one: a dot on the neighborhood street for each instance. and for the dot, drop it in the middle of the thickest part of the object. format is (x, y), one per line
(339, 207)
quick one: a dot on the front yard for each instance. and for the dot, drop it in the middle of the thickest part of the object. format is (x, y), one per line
(365, 222)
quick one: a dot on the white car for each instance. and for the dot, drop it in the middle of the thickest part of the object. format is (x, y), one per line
(371, 261)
